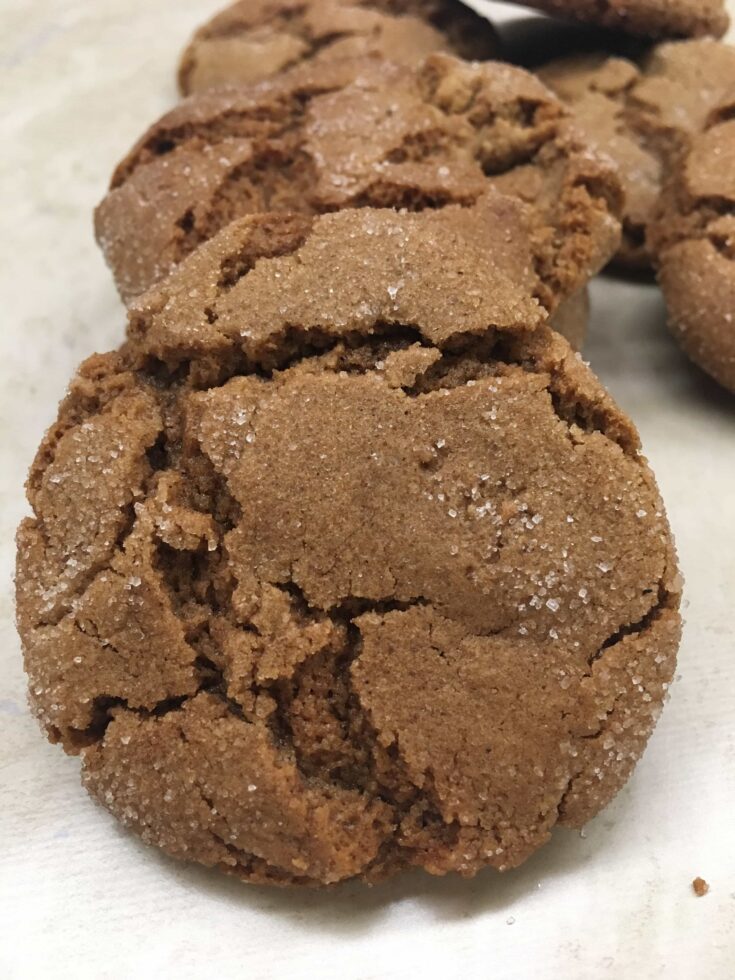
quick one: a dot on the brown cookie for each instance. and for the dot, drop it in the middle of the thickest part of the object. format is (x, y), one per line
(644, 116)
(693, 237)
(649, 18)
(256, 39)
(442, 134)
(344, 564)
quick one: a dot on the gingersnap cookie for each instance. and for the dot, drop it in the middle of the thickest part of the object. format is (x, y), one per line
(648, 18)
(693, 237)
(644, 116)
(346, 563)
(256, 39)
(442, 134)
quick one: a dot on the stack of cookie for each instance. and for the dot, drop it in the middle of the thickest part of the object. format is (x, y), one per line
(345, 562)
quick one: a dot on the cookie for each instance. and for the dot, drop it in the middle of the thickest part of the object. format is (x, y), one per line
(441, 134)
(644, 116)
(256, 39)
(346, 563)
(648, 18)
(693, 238)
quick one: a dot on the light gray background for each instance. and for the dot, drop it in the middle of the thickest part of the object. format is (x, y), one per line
(79, 897)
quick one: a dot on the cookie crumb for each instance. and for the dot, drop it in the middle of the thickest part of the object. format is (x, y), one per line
(700, 887)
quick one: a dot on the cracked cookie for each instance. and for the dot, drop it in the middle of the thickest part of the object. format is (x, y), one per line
(643, 117)
(443, 134)
(648, 18)
(346, 563)
(693, 238)
(256, 39)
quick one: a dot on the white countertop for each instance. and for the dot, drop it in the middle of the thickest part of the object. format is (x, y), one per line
(81, 898)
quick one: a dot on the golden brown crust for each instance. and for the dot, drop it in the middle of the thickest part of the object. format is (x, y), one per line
(365, 574)
(256, 39)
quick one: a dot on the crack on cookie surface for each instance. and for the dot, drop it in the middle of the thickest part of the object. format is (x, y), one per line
(465, 359)
(625, 107)
(350, 352)
(602, 742)
(275, 179)
(290, 35)
(661, 600)
(460, 131)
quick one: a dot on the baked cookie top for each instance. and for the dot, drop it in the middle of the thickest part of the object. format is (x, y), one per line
(256, 39)
(441, 134)
(346, 563)
(693, 236)
(649, 18)
(644, 115)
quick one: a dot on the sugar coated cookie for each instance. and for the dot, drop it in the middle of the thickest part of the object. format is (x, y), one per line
(346, 563)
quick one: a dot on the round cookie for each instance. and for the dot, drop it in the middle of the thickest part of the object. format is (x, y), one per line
(346, 563)
(643, 117)
(256, 39)
(648, 18)
(441, 134)
(693, 237)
